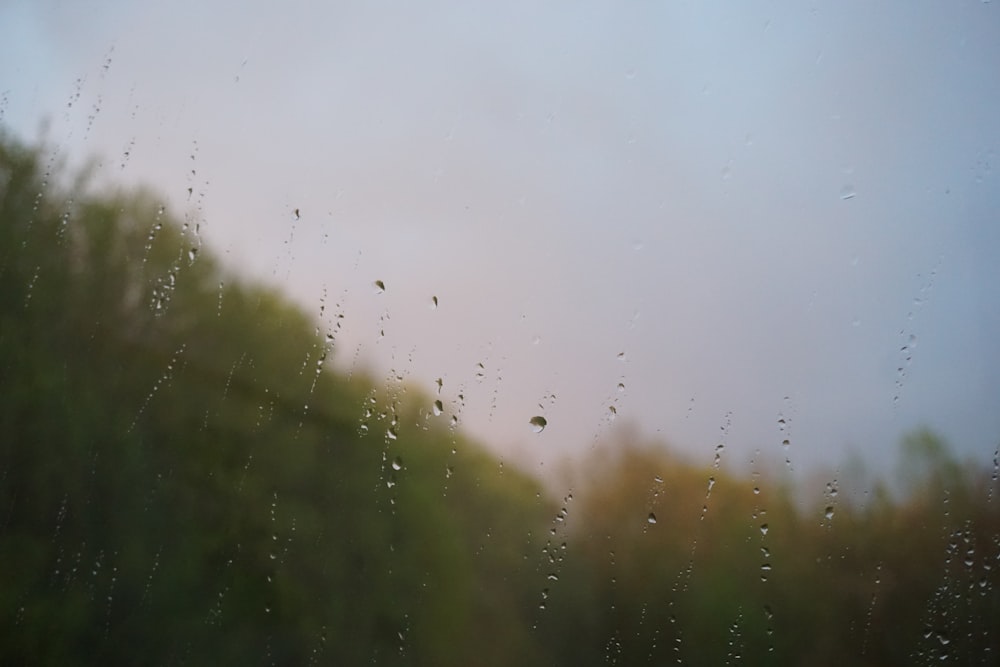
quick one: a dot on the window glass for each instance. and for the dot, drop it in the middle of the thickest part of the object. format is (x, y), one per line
(533, 334)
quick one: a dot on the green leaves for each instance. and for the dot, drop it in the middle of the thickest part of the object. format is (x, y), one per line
(183, 479)
(178, 480)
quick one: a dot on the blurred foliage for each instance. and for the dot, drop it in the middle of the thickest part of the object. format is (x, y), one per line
(185, 480)
(734, 567)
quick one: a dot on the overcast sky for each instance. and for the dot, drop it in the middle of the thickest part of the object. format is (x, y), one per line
(697, 215)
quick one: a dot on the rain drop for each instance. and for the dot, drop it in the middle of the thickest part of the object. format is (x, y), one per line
(397, 463)
(379, 286)
(438, 408)
(763, 529)
(538, 423)
(651, 518)
(434, 303)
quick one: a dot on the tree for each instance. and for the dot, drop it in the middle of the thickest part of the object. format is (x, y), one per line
(186, 478)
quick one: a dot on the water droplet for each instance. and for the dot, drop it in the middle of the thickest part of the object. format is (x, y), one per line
(763, 529)
(538, 423)
(192, 253)
(621, 356)
(612, 412)
(847, 192)
(397, 463)
(621, 386)
(295, 214)
(434, 303)
(438, 408)
(391, 433)
(379, 286)
(651, 518)
(828, 512)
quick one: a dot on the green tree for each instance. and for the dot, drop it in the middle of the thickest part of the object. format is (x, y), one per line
(186, 479)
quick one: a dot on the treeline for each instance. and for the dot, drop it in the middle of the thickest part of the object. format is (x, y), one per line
(184, 480)
(703, 566)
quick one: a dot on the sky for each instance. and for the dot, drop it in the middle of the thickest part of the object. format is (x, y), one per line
(707, 218)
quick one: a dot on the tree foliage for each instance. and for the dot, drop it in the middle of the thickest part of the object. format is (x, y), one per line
(185, 480)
